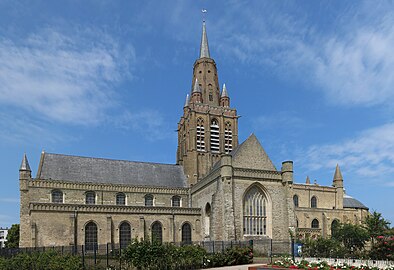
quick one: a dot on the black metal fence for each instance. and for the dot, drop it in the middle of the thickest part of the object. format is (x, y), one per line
(109, 256)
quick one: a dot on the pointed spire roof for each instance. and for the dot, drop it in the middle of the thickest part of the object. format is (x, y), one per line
(308, 181)
(196, 88)
(25, 164)
(224, 91)
(338, 174)
(204, 49)
(187, 100)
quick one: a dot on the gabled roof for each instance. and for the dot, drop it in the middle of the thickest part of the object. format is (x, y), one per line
(251, 155)
(108, 171)
(350, 202)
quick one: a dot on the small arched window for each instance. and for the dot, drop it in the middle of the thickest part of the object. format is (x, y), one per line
(314, 202)
(186, 233)
(57, 196)
(90, 197)
(124, 234)
(91, 236)
(176, 201)
(215, 145)
(157, 233)
(315, 224)
(295, 200)
(120, 199)
(149, 200)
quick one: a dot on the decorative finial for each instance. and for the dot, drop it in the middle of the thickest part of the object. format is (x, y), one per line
(308, 181)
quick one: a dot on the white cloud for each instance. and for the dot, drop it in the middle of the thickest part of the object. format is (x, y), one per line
(370, 154)
(63, 78)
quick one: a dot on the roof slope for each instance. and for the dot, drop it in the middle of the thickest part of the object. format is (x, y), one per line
(108, 171)
(350, 202)
(251, 155)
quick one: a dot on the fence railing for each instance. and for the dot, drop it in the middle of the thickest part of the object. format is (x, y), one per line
(109, 256)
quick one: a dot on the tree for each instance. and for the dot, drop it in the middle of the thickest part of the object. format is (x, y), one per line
(353, 237)
(376, 225)
(13, 237)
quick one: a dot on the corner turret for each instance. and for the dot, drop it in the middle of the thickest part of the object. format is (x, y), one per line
(24, 170)
(196, 93)
(287, 172)
(338, 184)
(224, 98)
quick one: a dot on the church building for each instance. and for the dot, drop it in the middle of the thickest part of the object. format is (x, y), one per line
(217, 190)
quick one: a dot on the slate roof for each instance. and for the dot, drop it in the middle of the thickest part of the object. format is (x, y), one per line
(350, 202)
(108, 171)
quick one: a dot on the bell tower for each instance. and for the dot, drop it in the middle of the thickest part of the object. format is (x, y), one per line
(208, 127)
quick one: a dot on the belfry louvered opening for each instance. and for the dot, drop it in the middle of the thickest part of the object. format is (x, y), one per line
(215, 143)
(228, 138)
(200, 135)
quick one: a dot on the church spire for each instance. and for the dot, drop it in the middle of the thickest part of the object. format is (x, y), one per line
(338, 179)
(204, 49)
(187, 100)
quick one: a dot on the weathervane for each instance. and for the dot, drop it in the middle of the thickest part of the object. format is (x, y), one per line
(203, 14)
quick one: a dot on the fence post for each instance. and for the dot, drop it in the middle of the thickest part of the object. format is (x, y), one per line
(83, 257)
(222, 246)
(271, 249)
(213, 246)
(107, 254)
(120, 257)
(95, 253)
(292, 249)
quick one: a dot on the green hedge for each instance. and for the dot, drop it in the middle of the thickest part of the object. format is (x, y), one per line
(147, 255)
(49, 260)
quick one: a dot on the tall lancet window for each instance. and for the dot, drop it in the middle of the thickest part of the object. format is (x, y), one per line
(215, 145)
(228, 138)
(200, 135)
(255, 212)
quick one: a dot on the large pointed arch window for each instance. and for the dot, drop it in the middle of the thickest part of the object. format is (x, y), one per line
(215, 144)
(228, 138)
(255, 212)
(157, 232)
(91, 236)
(186, 233)
(124, 234)
(200, 135)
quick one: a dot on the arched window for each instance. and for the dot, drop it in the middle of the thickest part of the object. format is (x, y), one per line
(124, 234)
(120, 199)
(313, 202)
(315, 224)
(228, 138)
(334, 226)
(200, 135)
(207, 219)
(255, 212)
(57, 196)
(90, 197)
(176, 201)
(186, 233)
(215, 145)
(149, 200)
(297, 222)
(295, 200)
(157, 234)
(90, 236)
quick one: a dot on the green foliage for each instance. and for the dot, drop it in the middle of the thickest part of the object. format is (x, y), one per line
(383, 249)
(353, 237)
(146, 255)
(49, 260)
(323, 247)
(376, 225)
(13, 237)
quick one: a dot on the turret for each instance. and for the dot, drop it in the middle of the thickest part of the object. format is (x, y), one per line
(338, 184)
(187, 100)
(196, 93)
(287, 172)
(24, 173)
(224, 98)
(308, 180)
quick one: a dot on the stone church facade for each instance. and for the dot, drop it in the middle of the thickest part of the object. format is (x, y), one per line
(217, 190)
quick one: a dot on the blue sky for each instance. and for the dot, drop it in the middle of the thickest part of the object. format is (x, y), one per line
(313, 80)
